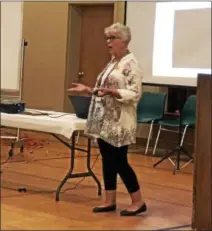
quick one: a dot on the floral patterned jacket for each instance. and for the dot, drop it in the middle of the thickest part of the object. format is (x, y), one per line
(111, 119)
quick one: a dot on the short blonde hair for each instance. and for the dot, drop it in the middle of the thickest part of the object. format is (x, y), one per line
(122, 30)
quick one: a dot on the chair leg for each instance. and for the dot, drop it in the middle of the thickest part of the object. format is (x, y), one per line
(156, 142)
(149, 136)
(78, 135)
(183, 136)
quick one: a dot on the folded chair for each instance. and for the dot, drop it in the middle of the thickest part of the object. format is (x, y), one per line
(187, 118)
(150, 110)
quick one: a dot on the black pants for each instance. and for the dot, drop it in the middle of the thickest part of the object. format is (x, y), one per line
(114, 161)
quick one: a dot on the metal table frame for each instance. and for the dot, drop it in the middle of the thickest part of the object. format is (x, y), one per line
(70, 174)
(72, 147)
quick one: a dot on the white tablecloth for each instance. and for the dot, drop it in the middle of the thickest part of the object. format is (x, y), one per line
(55, 122)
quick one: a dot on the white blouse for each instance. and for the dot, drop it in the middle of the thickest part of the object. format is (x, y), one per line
(111, 119)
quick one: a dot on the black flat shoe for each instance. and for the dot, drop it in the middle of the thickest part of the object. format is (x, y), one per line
(142, 209)
(104, 209)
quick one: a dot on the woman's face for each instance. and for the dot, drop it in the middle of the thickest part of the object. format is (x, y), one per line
(115, 43)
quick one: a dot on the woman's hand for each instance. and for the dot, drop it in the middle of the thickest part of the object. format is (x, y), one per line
(78, 87)
(107, 91)
(103, 91)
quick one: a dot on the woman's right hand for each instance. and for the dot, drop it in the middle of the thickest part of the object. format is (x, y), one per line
(78, 87)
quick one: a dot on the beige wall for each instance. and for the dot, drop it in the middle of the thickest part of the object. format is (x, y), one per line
(45, 27)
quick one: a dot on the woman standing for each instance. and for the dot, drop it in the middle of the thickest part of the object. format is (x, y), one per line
(112, 118)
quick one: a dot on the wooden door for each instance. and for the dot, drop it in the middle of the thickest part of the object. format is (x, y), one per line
(87, 51)
(93, 52)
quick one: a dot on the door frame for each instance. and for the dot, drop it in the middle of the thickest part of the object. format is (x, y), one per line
(119, 8)
(118, 16)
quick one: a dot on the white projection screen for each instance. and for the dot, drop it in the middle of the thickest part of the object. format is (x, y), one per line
(11, 45)
(171, 40)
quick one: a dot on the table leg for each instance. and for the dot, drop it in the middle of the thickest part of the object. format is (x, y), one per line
(69, 175)
(61, 185)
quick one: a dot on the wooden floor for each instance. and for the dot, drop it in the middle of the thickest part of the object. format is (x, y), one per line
(168, 196)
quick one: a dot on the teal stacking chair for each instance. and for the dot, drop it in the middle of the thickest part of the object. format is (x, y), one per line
(186, 118)
(150, 110)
